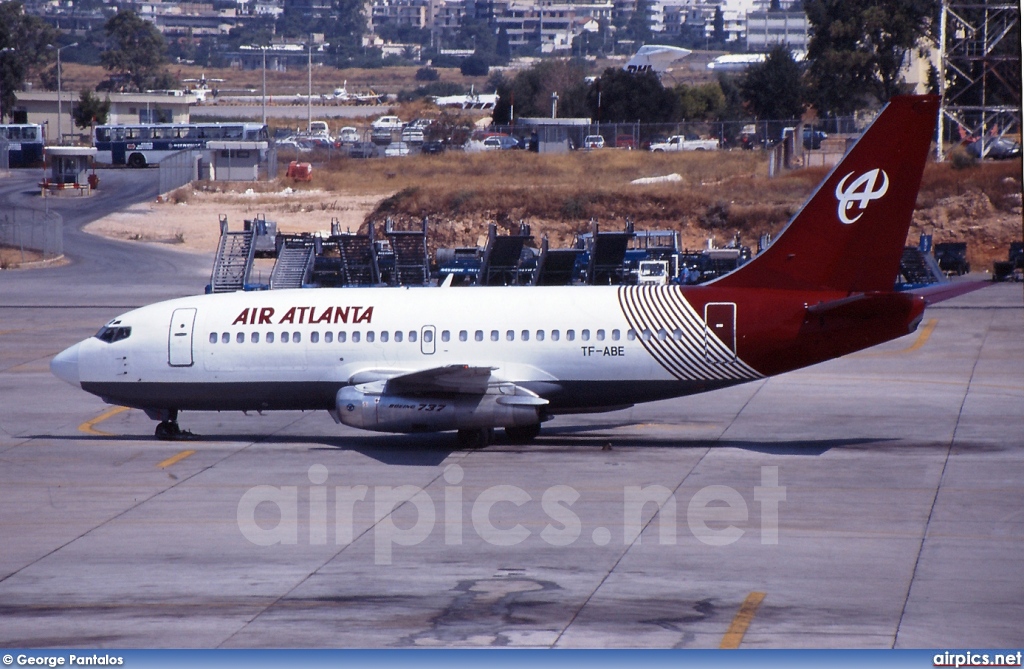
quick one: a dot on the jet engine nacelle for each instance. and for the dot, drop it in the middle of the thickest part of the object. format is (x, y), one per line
(384, 412)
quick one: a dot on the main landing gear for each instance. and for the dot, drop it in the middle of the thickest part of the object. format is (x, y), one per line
(482, 437)
(169, 430)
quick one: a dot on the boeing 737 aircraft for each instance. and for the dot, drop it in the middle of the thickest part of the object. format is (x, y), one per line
(475, 359)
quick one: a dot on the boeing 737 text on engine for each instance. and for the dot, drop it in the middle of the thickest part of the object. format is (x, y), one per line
(476, 359)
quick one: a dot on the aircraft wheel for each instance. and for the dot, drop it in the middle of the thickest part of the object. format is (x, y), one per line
(474, 439)
(522, 434)
(167, 430)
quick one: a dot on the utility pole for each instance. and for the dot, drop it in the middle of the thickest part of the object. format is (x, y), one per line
(60, 93)
(309, 100)
(264, 50)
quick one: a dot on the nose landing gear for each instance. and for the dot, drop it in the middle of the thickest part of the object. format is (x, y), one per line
(168, 429)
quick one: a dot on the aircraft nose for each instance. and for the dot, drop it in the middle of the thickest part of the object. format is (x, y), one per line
(65, 365)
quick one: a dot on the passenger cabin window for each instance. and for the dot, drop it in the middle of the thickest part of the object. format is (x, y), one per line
(314, 337)
(370, 336)
(554, 335)
(328, 337)
(384, 336)
(341, 337)
(600, 335)
(540, 335)
(510, 335)
(213, 337)
(428, 336)
(412, 336)
(478, 335)
(615, 335)
(112, 334)
(525, 334)
(445, 335)
(463, 335)
(355, 337)
(255, 337)
(398, 336)
(494, 335)
(284, 337)
(225, 337)
(585, 335)
(570, 335)
(630, 335)
(270, 337)
(240, 338)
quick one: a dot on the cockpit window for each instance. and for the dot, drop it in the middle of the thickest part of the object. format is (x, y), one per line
(112, 334)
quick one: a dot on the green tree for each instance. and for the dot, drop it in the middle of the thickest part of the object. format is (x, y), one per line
(632, 96)
(531, 91)
(705, 102)
(858, 47)
(90, 110)
(136, 58)
(25, 42)
(775, 88)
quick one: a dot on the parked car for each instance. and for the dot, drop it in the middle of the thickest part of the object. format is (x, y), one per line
(625, 142)
(381, 136)
(500, 143)
(420, 123)
(348, 135)
(593, 142)
(397, 149)
(412, 135)
(812, 137)
(996, 148)
(363, 150)
(433, 147)
(681, 143)
(294, 144)
(387, 123)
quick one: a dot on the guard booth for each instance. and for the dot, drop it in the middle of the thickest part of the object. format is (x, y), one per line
(68, 171)
(555, 135)
(239, 161)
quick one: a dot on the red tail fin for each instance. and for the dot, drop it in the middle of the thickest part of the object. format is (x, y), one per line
(850, 235)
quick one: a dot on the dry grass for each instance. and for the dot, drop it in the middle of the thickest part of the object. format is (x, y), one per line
(721, 195)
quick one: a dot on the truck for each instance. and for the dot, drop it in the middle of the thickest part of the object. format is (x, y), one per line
(683, 143)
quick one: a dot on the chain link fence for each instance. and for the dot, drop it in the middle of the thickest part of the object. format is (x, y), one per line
(31, 231)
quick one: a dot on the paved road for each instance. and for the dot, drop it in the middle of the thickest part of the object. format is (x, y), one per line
(98, 267)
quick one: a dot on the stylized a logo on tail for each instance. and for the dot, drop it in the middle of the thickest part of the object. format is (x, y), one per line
(860, 192)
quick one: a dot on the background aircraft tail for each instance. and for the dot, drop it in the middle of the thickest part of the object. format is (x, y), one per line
(850, 234)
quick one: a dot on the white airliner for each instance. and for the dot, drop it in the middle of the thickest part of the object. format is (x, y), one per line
(474, 359)
(474, 100)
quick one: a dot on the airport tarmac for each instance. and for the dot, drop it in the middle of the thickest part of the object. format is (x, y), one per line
(897, 475)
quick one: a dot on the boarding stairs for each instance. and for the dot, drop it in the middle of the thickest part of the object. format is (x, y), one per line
(293, 267)
(412, 264)
(919, 269)
(233, 262)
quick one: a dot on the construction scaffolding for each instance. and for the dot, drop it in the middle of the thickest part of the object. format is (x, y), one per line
(980, 83)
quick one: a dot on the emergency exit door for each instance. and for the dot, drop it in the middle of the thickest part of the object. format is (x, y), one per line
(179, 343)
(720, 326)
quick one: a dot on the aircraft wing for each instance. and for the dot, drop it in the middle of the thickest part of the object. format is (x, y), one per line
(446, 380)
(462, 379)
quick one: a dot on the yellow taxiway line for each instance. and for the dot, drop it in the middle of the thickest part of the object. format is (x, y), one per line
(89, 426)
(922, 338)
(175, 459)
(734, 635)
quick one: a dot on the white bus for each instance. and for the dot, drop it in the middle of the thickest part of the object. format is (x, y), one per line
(142, 144)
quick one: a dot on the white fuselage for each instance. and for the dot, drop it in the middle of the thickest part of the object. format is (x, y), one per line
(580, 348)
